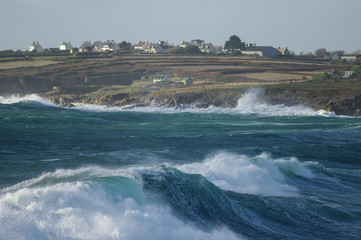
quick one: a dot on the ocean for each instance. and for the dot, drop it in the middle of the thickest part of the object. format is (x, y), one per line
(257, 171)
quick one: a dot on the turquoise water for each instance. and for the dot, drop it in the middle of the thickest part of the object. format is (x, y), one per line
(254, 172)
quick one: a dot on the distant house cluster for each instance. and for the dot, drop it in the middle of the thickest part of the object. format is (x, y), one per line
(147, 47)
(87, 46)
(99, 46)
(203, 47)
(162, 46)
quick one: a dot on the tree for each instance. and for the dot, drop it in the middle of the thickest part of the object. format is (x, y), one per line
(192, 50)
(234, 43)
(321, 53)
(125, 45)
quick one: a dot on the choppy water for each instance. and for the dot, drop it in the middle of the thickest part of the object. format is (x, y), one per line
(253, 172)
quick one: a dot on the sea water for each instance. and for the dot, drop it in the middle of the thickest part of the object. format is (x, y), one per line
(257, 171)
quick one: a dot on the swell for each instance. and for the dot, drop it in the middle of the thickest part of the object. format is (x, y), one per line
(194, 200)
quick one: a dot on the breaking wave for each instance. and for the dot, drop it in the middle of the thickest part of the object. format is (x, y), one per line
(259, 175)
(26, 98)
(248, 104)
(91, 203)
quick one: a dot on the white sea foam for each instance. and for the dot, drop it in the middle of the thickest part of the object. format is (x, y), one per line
(248, 104)
(26, 98)
(87, 209)
(259, 175)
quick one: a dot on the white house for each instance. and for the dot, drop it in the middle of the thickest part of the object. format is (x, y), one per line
(36, 47)
(65, 46)
(184, 44)
(161, 79)
(350, 57)
(111, 46)
(97, 46)
(163, 43)
(206, 48)
(262, 51)
(203, 47)
(153, 48)
(140, 46)
(349, 74)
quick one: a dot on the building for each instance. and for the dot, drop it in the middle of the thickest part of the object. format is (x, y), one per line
(65, 46)
(164, 43)
(148, 47)
(206, 48)
(139, 47)
(332, 56)
(110, 46)
(153, 48)
(87, 46)
(97, 46)
(203, 47)
(162, 79)
(36, 47)
(284, 51)
(351, 57)
(187, 81)
(262, 51)
(349, 74)
(184, 44)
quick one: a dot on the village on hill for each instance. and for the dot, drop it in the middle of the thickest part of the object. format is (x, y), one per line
(233, 46)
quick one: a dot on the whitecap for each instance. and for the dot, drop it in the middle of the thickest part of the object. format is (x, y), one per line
(90, 209)
(260, 175)
(26, 98)
(248, 104)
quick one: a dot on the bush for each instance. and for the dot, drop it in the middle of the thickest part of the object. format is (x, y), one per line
(322, 76)
(357, 70)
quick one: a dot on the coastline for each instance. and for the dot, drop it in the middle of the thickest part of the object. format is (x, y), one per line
(218, 81)
(341, 103)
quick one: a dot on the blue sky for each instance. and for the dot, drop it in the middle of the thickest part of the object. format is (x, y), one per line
(301, 25)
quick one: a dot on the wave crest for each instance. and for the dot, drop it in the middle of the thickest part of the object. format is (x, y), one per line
(91, 203)
(249, 104)
(260, 175)
(26, 98)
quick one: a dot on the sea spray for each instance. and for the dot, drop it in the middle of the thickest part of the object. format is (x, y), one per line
(258, 175)
(26, 98)
(249, 104)
(96, 208)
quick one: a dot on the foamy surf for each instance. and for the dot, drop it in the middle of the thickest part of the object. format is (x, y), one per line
(248, 104)
(260, 175)
(26, 98)
(102, 206)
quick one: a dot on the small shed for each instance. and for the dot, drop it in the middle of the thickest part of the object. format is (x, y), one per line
(187, 81)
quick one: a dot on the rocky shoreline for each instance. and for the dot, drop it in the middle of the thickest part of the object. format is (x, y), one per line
(127, 80)
(337, 101)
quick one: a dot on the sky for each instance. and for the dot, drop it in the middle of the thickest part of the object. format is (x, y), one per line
(300, 25)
